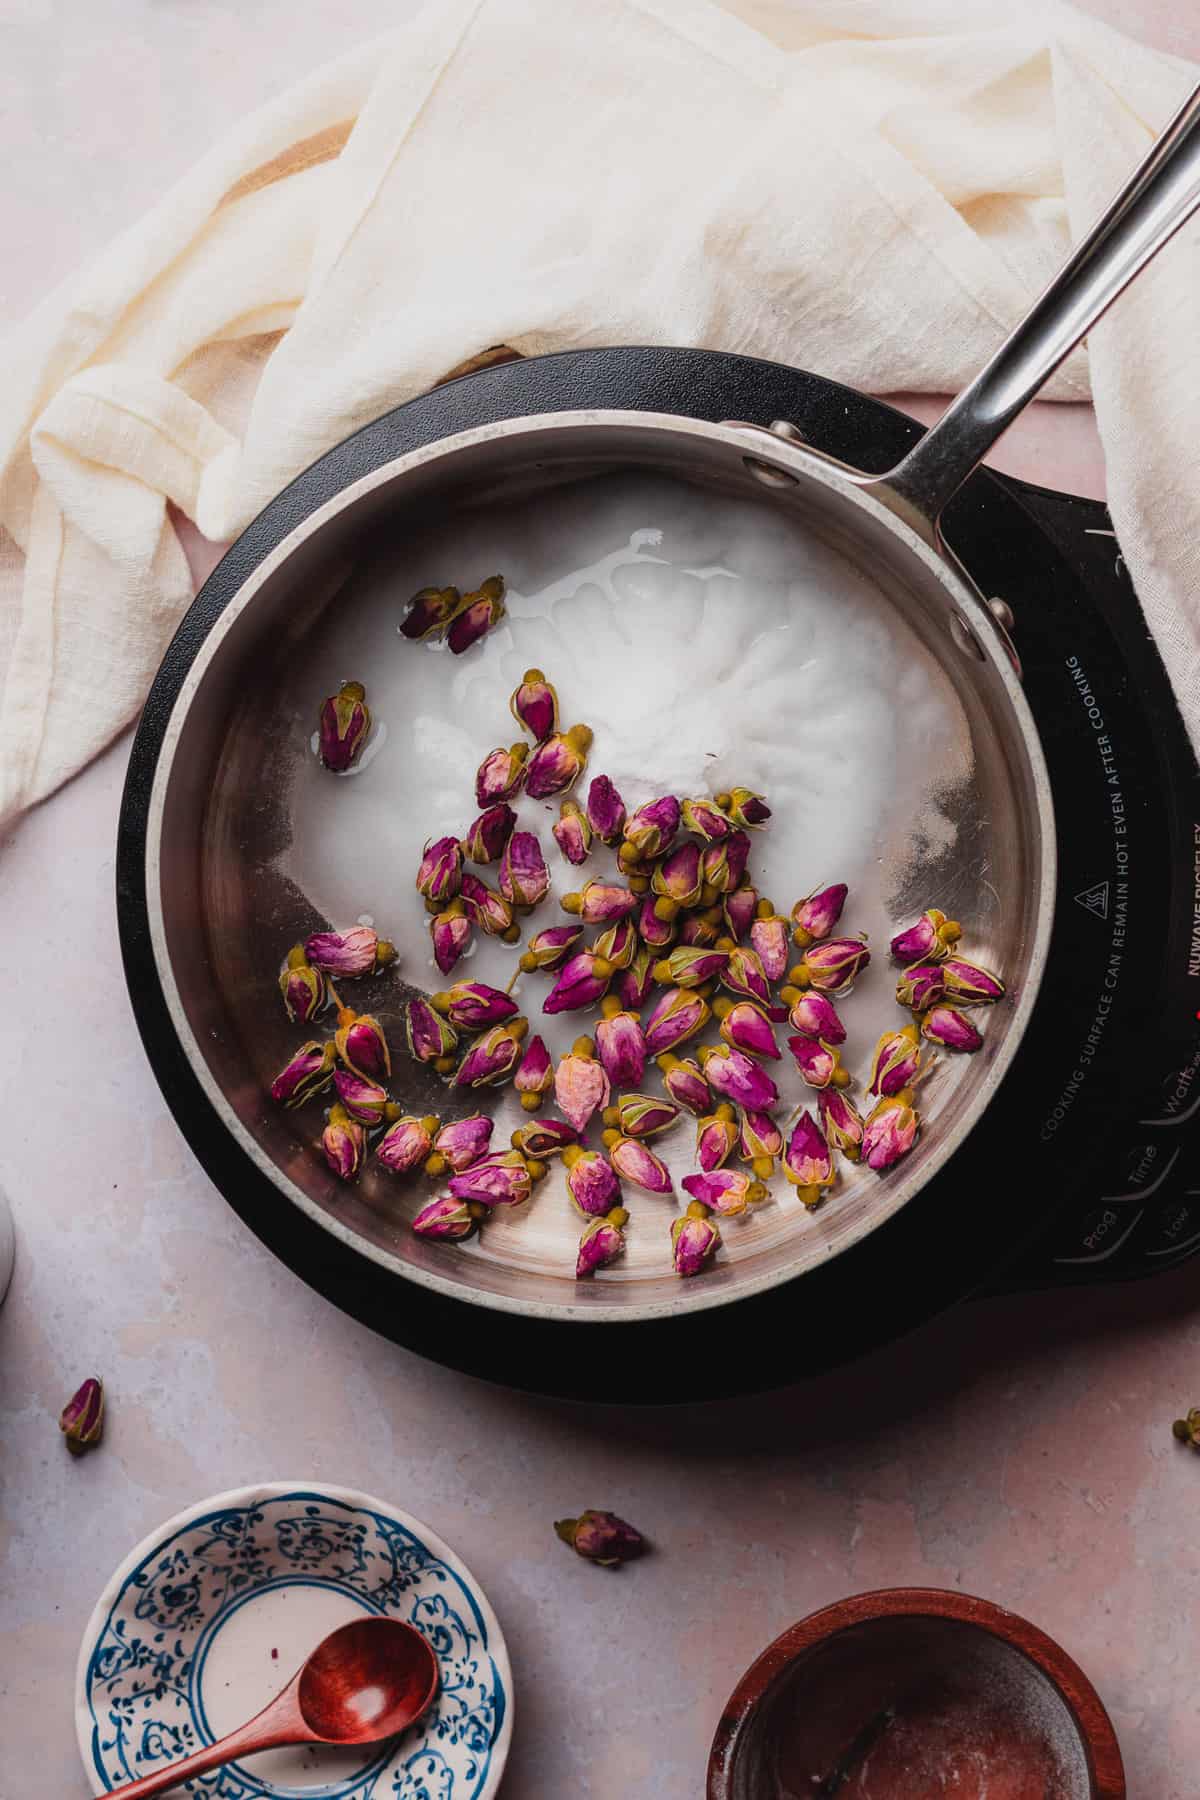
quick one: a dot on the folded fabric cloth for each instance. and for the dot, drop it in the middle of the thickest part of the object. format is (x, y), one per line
(873, 189)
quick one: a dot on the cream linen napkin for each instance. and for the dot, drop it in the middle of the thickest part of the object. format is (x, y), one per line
(869, 188)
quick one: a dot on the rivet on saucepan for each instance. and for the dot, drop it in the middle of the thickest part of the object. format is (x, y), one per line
(964, 637)
(768, 473)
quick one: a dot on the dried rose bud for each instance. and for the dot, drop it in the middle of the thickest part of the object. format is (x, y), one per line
(760, 1143)
(743, 973)
(450, 932)
(968, 984)
(345, 720)
(535, 705)
(600, 902)
(716, 1137)
(308, 1073)
(489, 912)
(501, 1179)
(895, 1062)
(654, 931)
(493, 1057)
(746, 1027)
(890, 1131)
(723, 864)
(572, 833)
(635, 982)
(581, 1087)
(706, 820)
(545, 1137)
(558, 762)
(407, 1143)
(488, 835)
(361, 1044)
(448, 1220)
(769, 939)
(815, 917)
(745, 807)
(476, 615)
(677, 880)
(431, 1038)
(724, 1191)
(551, 948)
(694, 1239)
(733, 1074)
(461, 1142)
(633, 1162)
(819, 1064)
(642, 1115)
(808, 1160)
(814, 1015)
(833, 966)
(650, 830)
(302, 986)
(948, 1026)
(429, 612)
(581, 982)
(365, 1101)
(359, 951)
(601, 1243)
(675, 1016)
(601, 1537)
(929, 940)
(441, 870)
(620, 1044)
(740, 908)
(81, 1420)
(687, 967)
(841, 1122)
(618, 945)
(535, 1075)
(684, 1081)
(921, 986)
(524, 877)
(500, 775)
(605, 811)
(1187, 1431)
(344, 1143)
(591, 1181)
(699, 932)
(473, 1005)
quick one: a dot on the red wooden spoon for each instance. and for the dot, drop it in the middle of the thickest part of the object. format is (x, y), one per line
(366, 1681)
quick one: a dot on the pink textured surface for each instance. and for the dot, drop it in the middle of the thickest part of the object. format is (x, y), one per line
(1019, 1448)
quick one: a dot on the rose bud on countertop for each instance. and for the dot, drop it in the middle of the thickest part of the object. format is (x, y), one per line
(81, 1420)
(605, 811)
(650, 830)
(745, 808)
(705, 819)
(770, 940)
(601, 1537)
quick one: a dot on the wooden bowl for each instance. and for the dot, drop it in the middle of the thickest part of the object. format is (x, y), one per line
(890, 1695)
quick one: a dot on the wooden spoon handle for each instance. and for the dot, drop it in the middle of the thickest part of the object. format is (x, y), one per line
(279, 1723)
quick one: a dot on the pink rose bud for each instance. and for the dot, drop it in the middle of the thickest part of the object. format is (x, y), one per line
(477, 614)
(716, 1138)
(706, 820)
(440, 871)
(675, 1016)
(841, 1122)
(581, 982)
(365, 1101)
(770, 942)
(581, 1087)
(833, 966)
(535, 705)
(745, 807)
(635, 982)
(535, 1075)
(344, 1143)
(968, 984)
(633, 1162)
(488, 912)
(308, 1073)
(447, 1219)
(818, 1063)
(678, 879)
(545, 1137)
(601, 1537)
(488, 835)
(473, 1005)
(733, 1074)
(698, 932)
(760, 1143)
(558, 762)
(81, 1420)
(694, 1239)
(743, 974)
(815, 917)
(921, 986)
(947, 1026)
(687, 967)
(605, 811)
(746, 1027)
(551, 948)
(302, 987)
(650, 830)
(740, 909)
(601, 902)
(572, 833)
(493, 1057)
(620, 1044)
(524, 877)
(815, 1015)
(501, 1179)
(591, 1181)
(895, 1062)
(361, 1044)
(429, 612)
(406, 1144)
(724, 1191)
(684, 1081)
(450, 932)
(431, 1038)
(808, 1160)
(345, 720)
(359, 951)
(643, 1115)
(462, 1142)
(890, 1131)
(601, 1243)
(500, 775)
(723, 864)
(619, 944)
(929, 940)
(655, 932)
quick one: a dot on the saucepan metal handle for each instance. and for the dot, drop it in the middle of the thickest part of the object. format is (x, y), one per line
(1160, 196)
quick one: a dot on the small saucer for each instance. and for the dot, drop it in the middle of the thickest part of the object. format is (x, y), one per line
(214, 1612)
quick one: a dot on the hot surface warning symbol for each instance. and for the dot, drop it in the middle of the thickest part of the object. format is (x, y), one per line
(1095, 899)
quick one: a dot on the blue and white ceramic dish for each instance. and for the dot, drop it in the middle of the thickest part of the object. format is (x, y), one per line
(213, 1614)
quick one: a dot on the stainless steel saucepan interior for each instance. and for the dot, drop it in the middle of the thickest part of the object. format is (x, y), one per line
(234, 875)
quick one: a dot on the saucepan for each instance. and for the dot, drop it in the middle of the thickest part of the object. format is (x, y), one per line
(242, 845)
